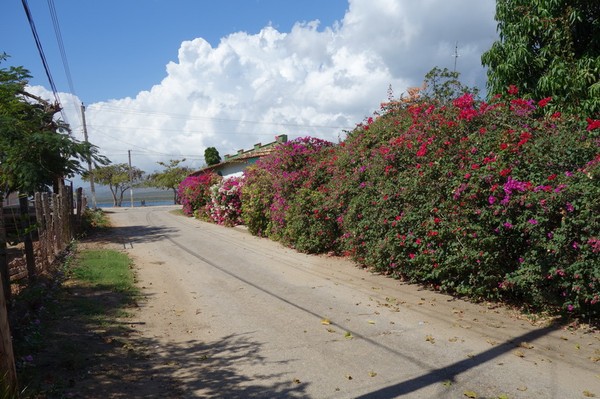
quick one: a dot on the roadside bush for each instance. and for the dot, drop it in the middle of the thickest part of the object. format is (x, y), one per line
(486, 200)
(225, 207)
(194, 194)
(274, 180)
(493, 200)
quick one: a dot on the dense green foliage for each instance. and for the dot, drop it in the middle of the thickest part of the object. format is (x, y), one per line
(548, 48)
(211, 156)
(170, 178)
(36, 150)
(491, 200)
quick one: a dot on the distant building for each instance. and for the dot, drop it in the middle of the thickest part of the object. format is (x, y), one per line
(234, 165)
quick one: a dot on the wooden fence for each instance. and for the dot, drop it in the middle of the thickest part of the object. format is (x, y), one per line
(44, 229)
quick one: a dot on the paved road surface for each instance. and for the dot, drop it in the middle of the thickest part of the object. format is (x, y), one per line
(235, 316)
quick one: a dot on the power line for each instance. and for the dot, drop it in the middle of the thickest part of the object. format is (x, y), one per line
(61, 48)
(40, 49)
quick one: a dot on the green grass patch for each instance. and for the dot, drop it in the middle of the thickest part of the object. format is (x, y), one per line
(105, 269)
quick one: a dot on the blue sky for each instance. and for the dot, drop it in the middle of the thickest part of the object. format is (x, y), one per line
(117, 48)
(167, 79)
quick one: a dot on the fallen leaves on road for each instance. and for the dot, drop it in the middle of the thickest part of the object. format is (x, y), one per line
(470, 394)
(326, 322)
(429, 338)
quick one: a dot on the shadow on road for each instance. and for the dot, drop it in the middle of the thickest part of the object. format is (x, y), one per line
(211, 370)
(82, 345)
(128, 236)
(449, 373)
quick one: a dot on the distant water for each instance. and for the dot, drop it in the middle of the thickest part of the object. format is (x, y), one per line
(127, 204)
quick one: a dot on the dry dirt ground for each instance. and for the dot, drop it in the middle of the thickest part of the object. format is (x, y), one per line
(202, 329)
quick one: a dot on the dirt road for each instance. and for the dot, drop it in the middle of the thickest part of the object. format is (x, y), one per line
(235, 316)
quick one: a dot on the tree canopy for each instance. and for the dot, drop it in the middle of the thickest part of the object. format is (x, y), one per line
(36, 150)
(170, 177)
(211, 156)
(548, 48)
(116, 177)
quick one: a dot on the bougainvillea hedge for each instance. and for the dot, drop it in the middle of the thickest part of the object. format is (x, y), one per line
(194, 194)
(492, 200)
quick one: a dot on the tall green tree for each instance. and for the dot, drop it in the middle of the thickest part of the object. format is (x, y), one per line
(211, 156)
(170, 177)
(116, 177)
(548, 48)
(36, 149)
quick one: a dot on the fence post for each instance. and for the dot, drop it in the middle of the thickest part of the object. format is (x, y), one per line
(48, 222)
(41, 228)
(3, 258)
(79, 206)
(8, 372)
(56, 224)
(29, 255)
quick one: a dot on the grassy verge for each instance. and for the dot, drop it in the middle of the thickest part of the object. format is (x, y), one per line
(178, 212)
(94, 219)
(69, 321)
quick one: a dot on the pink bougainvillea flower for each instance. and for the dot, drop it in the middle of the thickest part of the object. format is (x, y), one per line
(593, 124)
(505, 172)
(544, 101)
(513, 90)
(464, 101)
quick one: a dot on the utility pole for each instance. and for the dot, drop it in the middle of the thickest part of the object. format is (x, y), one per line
(456, 55)
(89, 161)
(130, 178)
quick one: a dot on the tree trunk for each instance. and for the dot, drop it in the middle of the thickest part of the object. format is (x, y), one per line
(175, 199)
(113, 191)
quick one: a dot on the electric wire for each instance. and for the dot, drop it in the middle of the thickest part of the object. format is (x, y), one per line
(40, 49)
(63, 53)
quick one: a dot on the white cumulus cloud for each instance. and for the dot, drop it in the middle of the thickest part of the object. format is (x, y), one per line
(314, 80)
